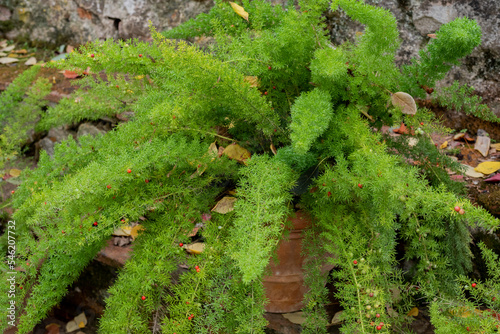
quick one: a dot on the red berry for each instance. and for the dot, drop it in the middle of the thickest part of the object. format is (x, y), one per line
(27, 263)
(329, 194)
(377, 315)
(468, 330)
(12, 192)
(379, 328)
(457, 208)
(360, 185)
(494, 298)
(274, 87)
(129, 171)
(21, 287)
(147, 181)
(371, 294)
(196, 267)
(187, 303)
(269, 67)
(95, 224)
(117, 86)
(181, 244)
(197, 270)
(381, 324)
(140, 55)
(143, 297)
(63, 232)
(324, 184)
(473, 285)
(173, 117)
(92, 56)
(462, 211)
(45, 203)
(421, 123)
(108, 186)
(265, 93)
(275, 130)
(355, 262)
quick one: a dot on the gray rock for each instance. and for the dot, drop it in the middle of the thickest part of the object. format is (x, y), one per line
(88, 129)
(48, 145)
(427, 18)
(59, 134)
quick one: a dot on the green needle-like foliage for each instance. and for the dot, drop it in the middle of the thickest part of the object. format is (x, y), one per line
(383, 211)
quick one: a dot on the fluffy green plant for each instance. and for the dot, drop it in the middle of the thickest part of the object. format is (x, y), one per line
(272, 82)
(21, 106)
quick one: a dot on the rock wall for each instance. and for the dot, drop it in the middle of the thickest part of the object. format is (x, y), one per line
(79, 21)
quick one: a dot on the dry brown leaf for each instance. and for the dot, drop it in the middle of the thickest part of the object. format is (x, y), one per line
(403, 130)
(30, 61)
(239, 10)
(225, 205)
(495, 146)
(413, 312)
(237, 153)
(253, 81)
(220, 152)
(70, 74)
(405, 101)
(22, 51)
(273, 149)
(52, 328)
(8, 48)
(432, 35)
(8, 60)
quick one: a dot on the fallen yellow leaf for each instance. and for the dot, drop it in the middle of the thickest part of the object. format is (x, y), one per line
(225, 205)
(413, 312)
(196, 248)
(134, 232)
(444, 145)
(253, 81)
(495, 146)
(239, 10)
(15, 172)
(81, 324)
(488, 167)
(237, 152)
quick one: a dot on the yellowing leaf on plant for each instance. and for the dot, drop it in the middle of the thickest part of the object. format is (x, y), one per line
(444, 145)
(196, 248)
(413, 312)
(364, 111)
(405, 102)
(212, 149)
(488, 167)
(253, 81)
(15, 172)
(237, 152)
(239, 10)
(225, 205)
(432, 35)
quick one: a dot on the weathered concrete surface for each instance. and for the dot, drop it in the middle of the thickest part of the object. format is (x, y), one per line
(79, 21)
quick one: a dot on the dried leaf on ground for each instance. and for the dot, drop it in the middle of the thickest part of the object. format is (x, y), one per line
(237, 153)
(483, 145)
(30, 61)
(14, 172)
(239, 10)
(444, 145)
(128, 231)
(71, 326)
(70, 49)
(70, 74)
(81, 320)
(253, 81)
(488, 167)
(403, 130)
(405, 101)
(225, 205)
(413, 312)
(196, 248)
(22, 51)
(432, 35)
(8, 48)
(296, 317)
(495, 146)
(337, 318)
(469, 171)
(52, 328)
(495, 178)
(8, 60)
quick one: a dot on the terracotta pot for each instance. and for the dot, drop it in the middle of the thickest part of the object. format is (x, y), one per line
(285, 287)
